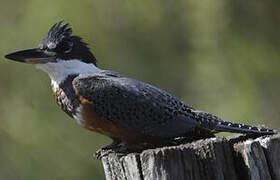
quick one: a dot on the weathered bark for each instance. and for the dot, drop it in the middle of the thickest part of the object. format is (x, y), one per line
(214, 158)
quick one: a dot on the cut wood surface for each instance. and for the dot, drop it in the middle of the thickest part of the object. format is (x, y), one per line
(215, 158)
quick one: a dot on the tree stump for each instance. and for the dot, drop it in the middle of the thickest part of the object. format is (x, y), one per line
(214, 158)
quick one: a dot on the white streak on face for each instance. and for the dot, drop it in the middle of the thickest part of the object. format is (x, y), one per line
(59, 70)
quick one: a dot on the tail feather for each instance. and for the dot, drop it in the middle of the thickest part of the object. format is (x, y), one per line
(223, 126)
(214, 123)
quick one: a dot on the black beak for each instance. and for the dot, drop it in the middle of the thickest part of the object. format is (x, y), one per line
(32, 56)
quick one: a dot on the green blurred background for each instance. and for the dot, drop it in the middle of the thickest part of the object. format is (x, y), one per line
(219, 56)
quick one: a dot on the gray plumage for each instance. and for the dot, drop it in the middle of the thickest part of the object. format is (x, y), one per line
(135, 111)
(145, 108)
(56, 35)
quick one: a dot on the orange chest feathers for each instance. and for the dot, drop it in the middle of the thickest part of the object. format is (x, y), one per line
(84, 113)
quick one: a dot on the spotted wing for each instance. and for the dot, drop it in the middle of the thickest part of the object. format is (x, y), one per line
(135, 105)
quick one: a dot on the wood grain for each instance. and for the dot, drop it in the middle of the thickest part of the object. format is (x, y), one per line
(210, 159)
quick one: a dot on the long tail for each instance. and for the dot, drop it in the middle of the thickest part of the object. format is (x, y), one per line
(215, 124)
(225, 126)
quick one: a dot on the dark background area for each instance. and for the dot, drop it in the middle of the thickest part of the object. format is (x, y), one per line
(218, 56)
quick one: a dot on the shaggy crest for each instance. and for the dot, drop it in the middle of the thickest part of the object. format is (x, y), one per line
(56, 35)
(60, 40)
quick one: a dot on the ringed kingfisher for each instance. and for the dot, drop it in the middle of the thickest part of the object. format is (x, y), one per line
(128, 111)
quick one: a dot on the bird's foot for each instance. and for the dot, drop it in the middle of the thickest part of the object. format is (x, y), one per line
(122, 150)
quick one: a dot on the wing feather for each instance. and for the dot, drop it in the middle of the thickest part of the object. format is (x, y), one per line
(135, 105)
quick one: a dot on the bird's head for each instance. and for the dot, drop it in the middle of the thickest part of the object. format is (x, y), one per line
(60, 54)
(57, 45)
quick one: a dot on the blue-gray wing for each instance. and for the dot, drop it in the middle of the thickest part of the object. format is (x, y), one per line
(136, 105)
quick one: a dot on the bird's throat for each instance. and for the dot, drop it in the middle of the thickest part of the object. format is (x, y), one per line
(60, 70)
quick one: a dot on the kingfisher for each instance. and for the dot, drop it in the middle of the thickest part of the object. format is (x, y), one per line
(128, 111)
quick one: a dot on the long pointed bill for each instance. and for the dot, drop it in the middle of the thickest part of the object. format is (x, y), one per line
(32, 56)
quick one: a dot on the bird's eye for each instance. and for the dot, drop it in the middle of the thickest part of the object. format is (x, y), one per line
(65, 47)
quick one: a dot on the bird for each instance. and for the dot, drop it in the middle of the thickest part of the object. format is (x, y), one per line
(128, 111)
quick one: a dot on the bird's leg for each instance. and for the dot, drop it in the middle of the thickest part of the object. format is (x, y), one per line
(107, 149)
